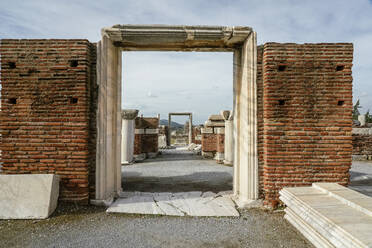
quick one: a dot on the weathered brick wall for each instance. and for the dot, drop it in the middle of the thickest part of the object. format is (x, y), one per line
(209, 141)
(137, 143)
(307, 104)
(146, 137)
(362, 143)
(220, 143)
(45, 117)
(304, 94)
(93, 104)
(196, 135)
(259, 81)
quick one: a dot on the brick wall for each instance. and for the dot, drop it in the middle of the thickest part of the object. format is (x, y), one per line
(259, 81)
(208, 142)
(307, 104)
(146, 137)
(49, 100)
(362, 143)
(220, 143)
(45, 117)
(196, 135)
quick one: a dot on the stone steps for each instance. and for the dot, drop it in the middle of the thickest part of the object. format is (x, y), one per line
(330, 215)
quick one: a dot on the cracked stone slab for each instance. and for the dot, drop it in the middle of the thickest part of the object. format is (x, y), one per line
(175, 204)
(134, 205)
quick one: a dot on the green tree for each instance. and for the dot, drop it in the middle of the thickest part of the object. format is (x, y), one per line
(356, 112)
(368, 117)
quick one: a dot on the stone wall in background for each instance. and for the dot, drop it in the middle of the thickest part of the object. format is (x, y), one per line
(196, 135)
(212, 138)
(146, 138)
(362, 143)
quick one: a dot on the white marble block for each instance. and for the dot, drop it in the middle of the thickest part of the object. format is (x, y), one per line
(31, 196)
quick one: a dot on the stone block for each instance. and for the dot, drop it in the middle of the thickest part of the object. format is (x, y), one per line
(330, 215)
(207, 130)
(32, 196)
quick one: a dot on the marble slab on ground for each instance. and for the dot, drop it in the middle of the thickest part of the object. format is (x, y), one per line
(194, 203)
(330, 213)
(31, 196)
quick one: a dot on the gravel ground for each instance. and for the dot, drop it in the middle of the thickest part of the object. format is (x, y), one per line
(77, 226)
(361, 177)
(177, 171)
(73, 226)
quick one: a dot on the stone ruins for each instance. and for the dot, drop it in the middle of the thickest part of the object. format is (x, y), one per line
(289, 136)
(290, 126)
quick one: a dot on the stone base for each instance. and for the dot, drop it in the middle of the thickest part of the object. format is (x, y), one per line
(152, 155)
(207, 154)
(32, 196)
(139, 157)
(246, 204)
(219, 157)
(229, 163)
(102, 203)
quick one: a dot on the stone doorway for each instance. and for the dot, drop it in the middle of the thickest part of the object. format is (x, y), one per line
(170, 125)
(239, 40)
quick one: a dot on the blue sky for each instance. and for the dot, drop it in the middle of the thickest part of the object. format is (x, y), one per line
(278, 21)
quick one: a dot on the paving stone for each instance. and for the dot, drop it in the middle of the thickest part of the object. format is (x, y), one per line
(177, 204)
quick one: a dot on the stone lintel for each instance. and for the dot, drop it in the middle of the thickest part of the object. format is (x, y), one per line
(176, 37)
(214, 123)
(180, 113)
(129, 114)
(215, 118)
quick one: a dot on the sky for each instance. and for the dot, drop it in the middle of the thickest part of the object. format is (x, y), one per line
(193, 77)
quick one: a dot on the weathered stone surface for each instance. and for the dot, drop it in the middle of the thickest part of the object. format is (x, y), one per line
(185, 38)
(225, 114)
(178, 204)
(362, 120)
(31, 196)
(330, 215)
(129, 114)
(162, 141)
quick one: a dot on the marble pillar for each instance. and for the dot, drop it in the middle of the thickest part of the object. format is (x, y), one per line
(127, 135)
(245, 123)
(190, 129)
(229, 137)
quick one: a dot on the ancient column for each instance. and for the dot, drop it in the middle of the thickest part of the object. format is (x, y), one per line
(127, 135)
(229, 137)
(190, 129)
